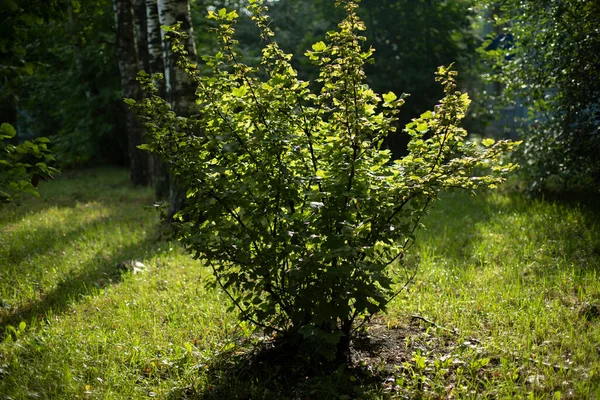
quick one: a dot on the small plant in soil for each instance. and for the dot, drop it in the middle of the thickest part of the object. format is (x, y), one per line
(302, 215)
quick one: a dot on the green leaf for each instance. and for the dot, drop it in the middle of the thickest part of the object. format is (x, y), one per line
(389, 97)
(11, 5)
(188, 346)
(321, 174)
(76, 5)
(191, 193)
(427, 115)
(7, 131)
(487, 142)
(422, 127)
(239, 91)
(231, 16)
(28, 69)
(319, 46)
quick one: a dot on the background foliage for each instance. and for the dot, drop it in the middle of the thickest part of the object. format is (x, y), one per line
(548, 59)
(60, 78)
(61, 74)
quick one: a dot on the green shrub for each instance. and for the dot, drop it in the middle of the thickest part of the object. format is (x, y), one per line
(22, 165)
(292, 203)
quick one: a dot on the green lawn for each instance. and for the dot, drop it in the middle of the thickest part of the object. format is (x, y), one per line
(506, 304)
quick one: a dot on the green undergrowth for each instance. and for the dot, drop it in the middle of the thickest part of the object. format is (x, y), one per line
(506, 304)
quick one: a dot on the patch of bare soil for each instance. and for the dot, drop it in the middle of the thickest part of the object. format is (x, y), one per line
(412, 358)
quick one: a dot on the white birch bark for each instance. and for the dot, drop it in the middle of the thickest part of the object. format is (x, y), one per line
(156, 62)
(179, 87)
(141, 32)
(160, 175)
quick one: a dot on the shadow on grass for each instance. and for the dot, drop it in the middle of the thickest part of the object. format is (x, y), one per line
(382, 366)
(266, 373)
(99, 272)
(450, 227)
(588, 200)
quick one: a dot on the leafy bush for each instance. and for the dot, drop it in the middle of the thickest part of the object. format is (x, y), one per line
(292, 203)
(23, 165)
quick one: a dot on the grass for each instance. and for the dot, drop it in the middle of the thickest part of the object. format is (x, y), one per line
(519, 278)
(506, 304)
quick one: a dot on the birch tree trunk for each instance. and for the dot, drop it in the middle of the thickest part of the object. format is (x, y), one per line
(160, 173)
(179, 87)
(141, 32)
(156, 62)
(126, 50)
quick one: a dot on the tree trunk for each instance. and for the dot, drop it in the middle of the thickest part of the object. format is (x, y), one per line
(156, 64)
(126, 50)
(179, 87)
(342, 354)
(141, 33)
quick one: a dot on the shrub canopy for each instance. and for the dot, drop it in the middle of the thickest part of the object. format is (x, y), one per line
(301, 215)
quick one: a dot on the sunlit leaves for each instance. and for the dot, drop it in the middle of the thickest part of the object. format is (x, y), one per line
(319, 46)
(487, 142)
(389, 97)
(292, 201)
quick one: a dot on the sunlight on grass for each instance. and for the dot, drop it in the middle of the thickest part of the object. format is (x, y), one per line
(92, 330)
(49, 235)
(515, 279)
(520, 276)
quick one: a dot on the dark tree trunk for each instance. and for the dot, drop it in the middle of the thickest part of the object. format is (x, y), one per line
(342, 355)
(127, 54)
(8, 109)
(179, 87)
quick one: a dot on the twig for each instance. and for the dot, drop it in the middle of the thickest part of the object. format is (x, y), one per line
(452, 331)
(239, 307)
